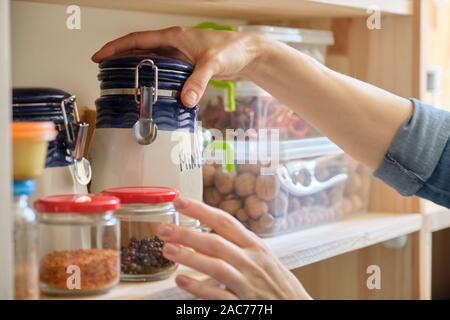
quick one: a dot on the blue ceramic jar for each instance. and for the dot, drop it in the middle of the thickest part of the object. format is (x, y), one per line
(123, 78)
(144, 135)
(58, 106)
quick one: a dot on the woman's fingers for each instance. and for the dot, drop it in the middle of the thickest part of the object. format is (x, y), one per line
(209, 244)
(144, 40)
(221, 222)
(195, 85)
(207, 289)
(215, 268)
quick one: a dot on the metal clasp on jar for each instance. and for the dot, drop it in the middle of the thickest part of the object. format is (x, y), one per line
(77, 135)
(145, 128)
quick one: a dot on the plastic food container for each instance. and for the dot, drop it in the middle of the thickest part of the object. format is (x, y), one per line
(66, 171)
(305, 189)
(26, 275)
(357, 189)
(78, 244)
(255, 109)
(249, 106)
(30, 142)
(311, 42)
(143, 210)
(146, 89)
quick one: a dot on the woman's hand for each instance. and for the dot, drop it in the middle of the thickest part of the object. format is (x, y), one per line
(240, 265)
(216, 54)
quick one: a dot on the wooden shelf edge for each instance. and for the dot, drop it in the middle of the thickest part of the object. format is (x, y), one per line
(386, 6)
(437, 220)
(312, 245)
(295, 250)
(251, 8)
(156, 290)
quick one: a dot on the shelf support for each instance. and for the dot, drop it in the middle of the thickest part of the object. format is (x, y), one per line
(6, 219)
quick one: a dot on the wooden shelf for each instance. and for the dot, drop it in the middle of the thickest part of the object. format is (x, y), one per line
(294, 250)
(438, 220)
(312, 245)
(252, 9)
(436, 217)
(157, 290)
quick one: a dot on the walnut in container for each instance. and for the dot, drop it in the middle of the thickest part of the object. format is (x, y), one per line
(305, 188)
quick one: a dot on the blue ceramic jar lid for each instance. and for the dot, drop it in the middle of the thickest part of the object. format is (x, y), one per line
(23, 188)
(38, 95)
(164, 63)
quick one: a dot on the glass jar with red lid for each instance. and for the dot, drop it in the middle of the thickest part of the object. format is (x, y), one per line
(142, 210)
(78, 244)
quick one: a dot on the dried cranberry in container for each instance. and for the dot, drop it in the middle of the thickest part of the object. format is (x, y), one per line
(78, 244)
(254, 108)
(143, 209)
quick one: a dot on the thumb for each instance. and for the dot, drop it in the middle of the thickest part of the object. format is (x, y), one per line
(195, 85)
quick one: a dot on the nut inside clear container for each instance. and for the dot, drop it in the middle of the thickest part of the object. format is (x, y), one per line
(357, 188)
(305, 189)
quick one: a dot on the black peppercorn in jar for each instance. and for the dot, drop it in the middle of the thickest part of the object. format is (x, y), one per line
(143, 209)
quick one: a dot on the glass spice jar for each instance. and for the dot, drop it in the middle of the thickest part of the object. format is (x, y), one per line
(78, 244)
(26, 278)
(143, 209)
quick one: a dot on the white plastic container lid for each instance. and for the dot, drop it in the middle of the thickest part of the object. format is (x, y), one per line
(291, 35)
(308, 148)
(248, 88)
(288, 150)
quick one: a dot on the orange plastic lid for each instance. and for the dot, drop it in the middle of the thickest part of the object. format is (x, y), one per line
(42, 130)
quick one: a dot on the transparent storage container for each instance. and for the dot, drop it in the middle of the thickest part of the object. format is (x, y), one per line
(143, 210)
(357, 188)
(302, 186)
(26, 276)
(78, 244)
(308, 41)
(254, 108)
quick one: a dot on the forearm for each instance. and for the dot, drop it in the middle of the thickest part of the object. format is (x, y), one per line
(359, 117)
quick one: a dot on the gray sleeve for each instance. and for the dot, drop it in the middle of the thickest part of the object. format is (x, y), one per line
(416, 150)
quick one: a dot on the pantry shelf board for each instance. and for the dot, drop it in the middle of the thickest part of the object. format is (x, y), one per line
(155, 290)
(249, 9)
(322, 242)
(437, 220)
(295, 250)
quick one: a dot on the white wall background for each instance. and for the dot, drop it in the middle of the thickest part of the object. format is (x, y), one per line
(46, 53)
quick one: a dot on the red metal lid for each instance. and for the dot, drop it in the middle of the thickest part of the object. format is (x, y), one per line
(77, 203)
(150, 195)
